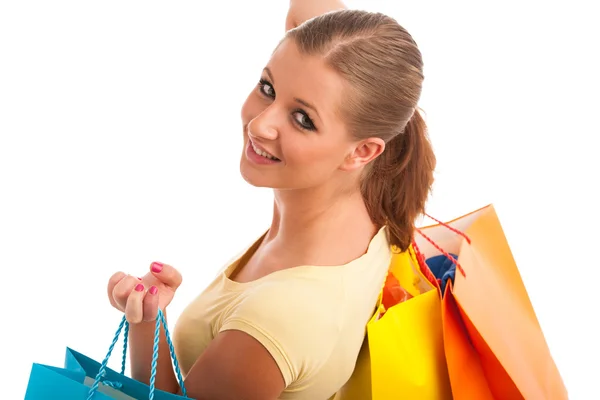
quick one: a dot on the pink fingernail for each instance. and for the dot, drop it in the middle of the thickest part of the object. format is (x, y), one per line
(153, 290)
(157, 267)
(139, 279)
(139, 287)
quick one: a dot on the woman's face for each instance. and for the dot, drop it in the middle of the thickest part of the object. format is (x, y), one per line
(294, 137)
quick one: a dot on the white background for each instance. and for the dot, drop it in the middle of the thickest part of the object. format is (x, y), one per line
(120, 139)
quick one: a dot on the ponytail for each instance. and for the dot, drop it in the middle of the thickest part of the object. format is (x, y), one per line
(396, 187)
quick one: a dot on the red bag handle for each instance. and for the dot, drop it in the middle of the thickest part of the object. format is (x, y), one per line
(449, 227)
(420, 255)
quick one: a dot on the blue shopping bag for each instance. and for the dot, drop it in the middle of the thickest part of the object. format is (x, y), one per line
(86, 379)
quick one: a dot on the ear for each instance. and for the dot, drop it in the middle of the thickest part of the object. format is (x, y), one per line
(363, 153)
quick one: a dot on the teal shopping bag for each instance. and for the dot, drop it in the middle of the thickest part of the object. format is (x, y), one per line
(86, 379)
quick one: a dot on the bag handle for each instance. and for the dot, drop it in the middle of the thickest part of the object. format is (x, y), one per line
(444, 252)
(449, 227)
(160, 319)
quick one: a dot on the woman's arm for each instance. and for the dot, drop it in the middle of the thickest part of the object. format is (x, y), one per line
(302, 10)
(235, 366)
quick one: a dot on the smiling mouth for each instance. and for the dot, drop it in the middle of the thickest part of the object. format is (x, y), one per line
(263, 153)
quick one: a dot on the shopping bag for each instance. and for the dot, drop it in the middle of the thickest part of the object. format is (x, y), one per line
(86, 379)
(468, 380)
(403, 353)
(467, 377)
(506, 355)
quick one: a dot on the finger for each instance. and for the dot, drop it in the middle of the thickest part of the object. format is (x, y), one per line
(133, 309)
(112, 282)
(151, 304)
(122, 291)
(166, 274)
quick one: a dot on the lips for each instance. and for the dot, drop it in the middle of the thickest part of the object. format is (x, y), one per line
(262, 151)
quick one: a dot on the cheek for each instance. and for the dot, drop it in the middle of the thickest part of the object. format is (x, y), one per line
(313, 153)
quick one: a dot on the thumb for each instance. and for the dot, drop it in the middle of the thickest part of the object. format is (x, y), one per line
(166, 274)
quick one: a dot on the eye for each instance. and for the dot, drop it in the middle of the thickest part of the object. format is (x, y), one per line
(266, 88)
(303, 120)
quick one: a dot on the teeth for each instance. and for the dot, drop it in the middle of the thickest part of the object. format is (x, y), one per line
(263, 153)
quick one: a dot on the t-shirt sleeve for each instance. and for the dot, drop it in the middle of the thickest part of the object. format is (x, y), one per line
(297, 325)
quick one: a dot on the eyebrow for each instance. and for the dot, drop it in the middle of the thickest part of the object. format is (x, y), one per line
(304, 103)
(297, 100)
(268, 71)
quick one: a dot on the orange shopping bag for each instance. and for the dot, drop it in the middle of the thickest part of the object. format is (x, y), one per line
(494, 345)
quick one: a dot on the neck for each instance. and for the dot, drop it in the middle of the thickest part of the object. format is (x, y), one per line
(316, 214)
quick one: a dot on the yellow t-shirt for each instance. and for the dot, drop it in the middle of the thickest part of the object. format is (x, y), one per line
(311, 319)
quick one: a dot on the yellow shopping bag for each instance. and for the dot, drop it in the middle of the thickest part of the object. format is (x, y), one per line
(403, 354)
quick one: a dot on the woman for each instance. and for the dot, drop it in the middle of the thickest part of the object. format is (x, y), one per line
(332, 128)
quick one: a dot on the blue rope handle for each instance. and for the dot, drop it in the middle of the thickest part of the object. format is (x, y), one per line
(160, 319)
(125, 342)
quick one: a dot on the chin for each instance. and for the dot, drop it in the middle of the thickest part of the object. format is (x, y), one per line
(255, 177)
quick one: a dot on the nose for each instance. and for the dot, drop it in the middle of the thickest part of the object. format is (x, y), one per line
(263, 126)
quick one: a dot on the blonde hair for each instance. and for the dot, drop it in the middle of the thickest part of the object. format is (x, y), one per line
(383, 67)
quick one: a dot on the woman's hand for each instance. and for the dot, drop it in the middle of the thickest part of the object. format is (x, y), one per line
(140, 298)
(303, 10)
